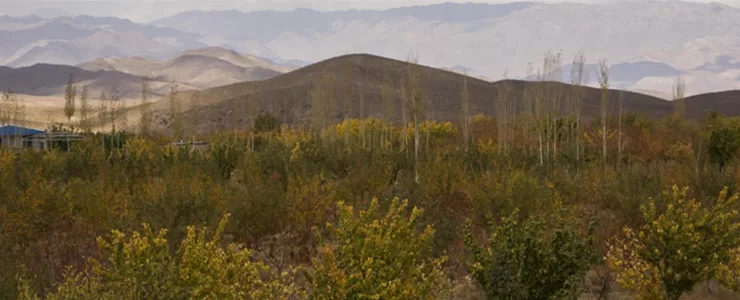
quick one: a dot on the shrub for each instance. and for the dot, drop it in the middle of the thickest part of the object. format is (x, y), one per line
(143, 267)
(678, 247)
(265, 122)
(377, 258)
(525, 260)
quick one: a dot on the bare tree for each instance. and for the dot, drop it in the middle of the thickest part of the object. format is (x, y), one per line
(322, 95)
(679, 105)
(194, 112)
(604, 84)
(85, 109)
(619, 129)
(103, 113)
(465, 103)
(417, 103)
(7, 110)
(145, 114)
(70, 93)
(388, 96)
(175, 117)
(577, 79)
(114, 108)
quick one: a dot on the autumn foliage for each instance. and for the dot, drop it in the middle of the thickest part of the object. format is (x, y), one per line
(367, 209)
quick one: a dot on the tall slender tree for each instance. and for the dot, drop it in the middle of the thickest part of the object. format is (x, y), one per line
(619, 129)
(577, 79)
(145, 114)
(70, 93)
(175, 117)
(417, 104)
(604, 84)
(103, 113)
(194, 113)
(85, 109)
(465, 106)
(679, 105)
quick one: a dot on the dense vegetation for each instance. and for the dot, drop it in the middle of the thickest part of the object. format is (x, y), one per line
(535, 203)
(296, 214)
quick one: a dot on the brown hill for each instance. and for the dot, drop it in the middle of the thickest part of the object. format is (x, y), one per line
(358, 81)
(726, 103)
(50, 80)
(202, 68)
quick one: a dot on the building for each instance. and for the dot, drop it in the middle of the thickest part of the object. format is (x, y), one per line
(193, 146)
(48, 140)
(12, 136)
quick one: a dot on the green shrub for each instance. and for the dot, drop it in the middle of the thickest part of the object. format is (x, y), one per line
(531, 259)
(377, 257)
(678, 247)
(143, 267)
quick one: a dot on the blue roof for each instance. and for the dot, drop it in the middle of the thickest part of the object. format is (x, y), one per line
(12, 130)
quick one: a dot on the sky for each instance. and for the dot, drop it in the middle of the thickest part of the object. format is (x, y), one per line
(148, 10)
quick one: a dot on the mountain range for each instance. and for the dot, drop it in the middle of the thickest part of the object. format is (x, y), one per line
(649, 43)
(271, 57)
(701, 40)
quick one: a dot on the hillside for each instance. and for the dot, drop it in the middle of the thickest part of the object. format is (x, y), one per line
(50, 80)
(203, 68)
(726, 103)
(363, 76)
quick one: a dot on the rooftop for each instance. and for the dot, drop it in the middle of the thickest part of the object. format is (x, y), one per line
(12, 130)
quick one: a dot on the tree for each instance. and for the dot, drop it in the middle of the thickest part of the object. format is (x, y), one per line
(103, 113)
(322, 98)
(531, 259)
(679, 246)
(465, 103)
(619, 129)
(576, 80)
(417, 107)
(11, 109)
(604, 84)
(194, 112)
(679, 105)
(114, 108)
(85, 108)
(723, 145)
(145, 118)
(374, 255)
(266, 122)
(70, 92)
(175, 116)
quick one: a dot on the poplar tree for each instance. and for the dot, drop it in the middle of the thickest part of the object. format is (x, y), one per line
(85, 110)
(70, 93)
(145, 117)
(577, 80)
(417, 103)
(103, 113)
(679, 106)
(465, 103)
(175, 117)
(604, 84)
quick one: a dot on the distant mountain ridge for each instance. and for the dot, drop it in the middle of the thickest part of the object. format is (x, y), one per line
(72, 40)
(493, 38)
(652, 42)
(200, 68)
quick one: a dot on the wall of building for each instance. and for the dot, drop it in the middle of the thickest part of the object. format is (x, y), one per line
(11, 141)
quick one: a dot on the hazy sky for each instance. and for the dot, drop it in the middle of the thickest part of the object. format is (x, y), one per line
(145, 10)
